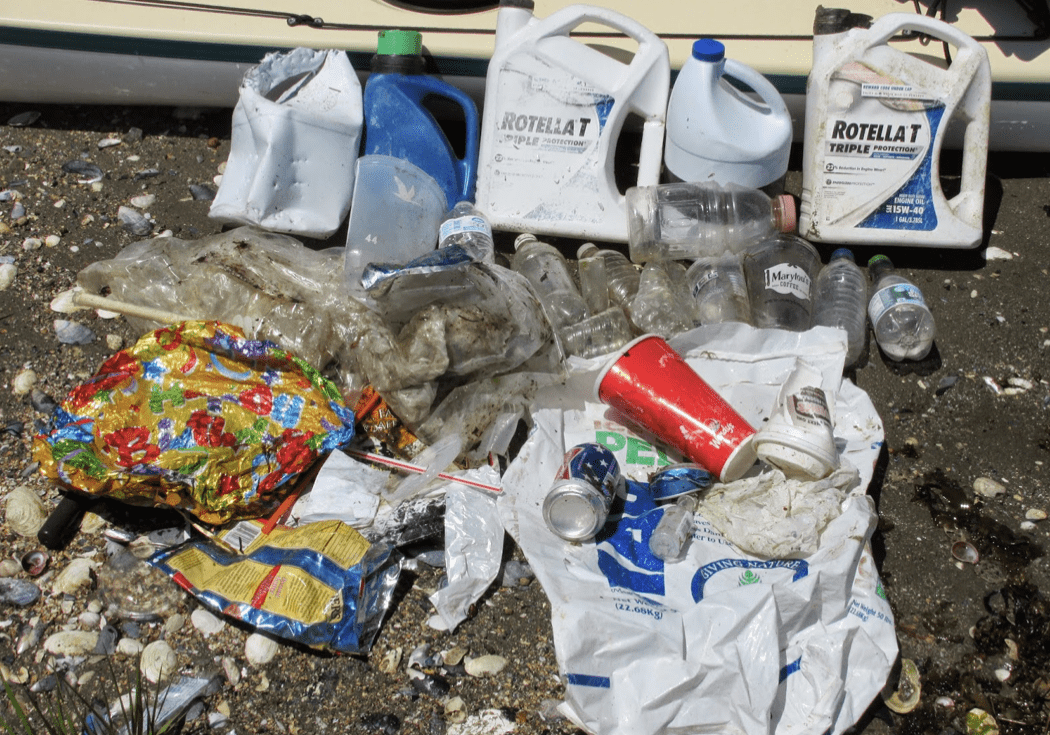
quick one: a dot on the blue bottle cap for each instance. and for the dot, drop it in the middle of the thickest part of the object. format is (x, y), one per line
(708, 49)
(843, 253)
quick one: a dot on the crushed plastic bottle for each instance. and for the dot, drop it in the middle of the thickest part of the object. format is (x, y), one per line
(621, 274)
(656, 308)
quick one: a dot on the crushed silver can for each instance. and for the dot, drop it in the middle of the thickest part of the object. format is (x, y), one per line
(583, 492)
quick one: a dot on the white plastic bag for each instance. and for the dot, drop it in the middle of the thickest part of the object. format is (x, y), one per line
(296, 134)
(724, 640)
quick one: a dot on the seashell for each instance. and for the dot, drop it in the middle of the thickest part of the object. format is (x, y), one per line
(65, 301)
(207, 622)
(390, 661)
(8, 271)
(134, 222)
(965, 552)
(9, 568)
(909, 689)
(988, 487)
(230, 668)
(35, 562)
(89, 620)
(158, 661)
(23, 382)
(30, 243)
(485, 665)
(78, 574)
(946, 702)
(89, 173)
(142, 201)
(42, 402)
(202, 192)
(108, 142)
(29, 636)
(18, 592)
(129, 647)
(979, 722)
(1035, 514)
(72, 333)
(19, 675)
(92, 523)
(24, 119)
(421, 658)
(260, 649)
(25, 512)
(114, 341)
(453, 656)
(455, 710)
(71, 642)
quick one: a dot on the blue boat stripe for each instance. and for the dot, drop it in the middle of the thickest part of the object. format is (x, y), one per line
(587, 680)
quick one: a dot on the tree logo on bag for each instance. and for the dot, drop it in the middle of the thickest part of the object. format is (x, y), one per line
(749, 577)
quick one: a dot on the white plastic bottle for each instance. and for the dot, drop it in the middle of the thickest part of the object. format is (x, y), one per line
(621, 274)
(688, 220)
(466, 226)
(717, 133)
(840, 300)
(548, 272)
(900, 319)
(671, 536)
(779, 272)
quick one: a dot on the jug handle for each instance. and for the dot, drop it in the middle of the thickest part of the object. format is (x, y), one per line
(891, 24)
(466, 166)
(758, 82)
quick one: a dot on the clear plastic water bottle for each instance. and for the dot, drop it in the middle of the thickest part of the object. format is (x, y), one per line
(548, 272)
(718, 289)
(779, 272)
(597, 335)
(900, 319)
(841, 294)
(594, 283)
(687, 220)
(466, 226)
(620, 273)
(671, 536)
(656, 309)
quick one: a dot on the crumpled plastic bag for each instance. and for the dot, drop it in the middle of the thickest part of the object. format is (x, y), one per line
(296, 132)
(723, 640)
(197, 417)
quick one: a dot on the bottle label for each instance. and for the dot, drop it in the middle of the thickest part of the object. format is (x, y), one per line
(809, 406)
(790, 280)
(703, 280)
(877, 153)
(886, 298)
(460, 225)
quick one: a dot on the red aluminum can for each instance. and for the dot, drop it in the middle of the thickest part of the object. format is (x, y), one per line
(652, 386)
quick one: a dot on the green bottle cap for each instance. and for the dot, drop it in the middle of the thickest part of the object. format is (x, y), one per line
(879, 259)
(400, 43)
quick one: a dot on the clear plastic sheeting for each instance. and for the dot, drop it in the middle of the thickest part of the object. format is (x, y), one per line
(726, 639)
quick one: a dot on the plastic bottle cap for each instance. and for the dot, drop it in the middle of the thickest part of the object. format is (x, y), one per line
(522, 239)
(784, 205)
(586, 250)
(400, 43)
(843, 253)
(878, 259)
(708, 49)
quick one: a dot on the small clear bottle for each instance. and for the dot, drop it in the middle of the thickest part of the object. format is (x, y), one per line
(466, 226)
(548, 272)
(840, 299)
(671, 536)
(656, 309)
(779, 272)
(594, 283)
(903, 325)
(597, 335)
(688, 220)
(620, 273)
(717, 287)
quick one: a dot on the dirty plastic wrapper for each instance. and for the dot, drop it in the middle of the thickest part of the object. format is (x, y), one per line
(322, 584)
(296, 129)
(197, 417)
(723, 640)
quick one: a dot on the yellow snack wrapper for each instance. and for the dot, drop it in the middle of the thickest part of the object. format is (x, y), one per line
(195, 416)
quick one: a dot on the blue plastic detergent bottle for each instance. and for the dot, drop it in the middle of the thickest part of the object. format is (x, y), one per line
(397, 124)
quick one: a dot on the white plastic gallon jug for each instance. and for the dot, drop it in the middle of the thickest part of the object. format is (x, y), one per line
(717, 133)
(554, 110)
(875, 122)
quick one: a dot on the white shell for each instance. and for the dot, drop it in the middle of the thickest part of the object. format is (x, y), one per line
(233, 672)
(74, 576)
(260, 649)
(143, 201)
(23, 382)
(207, 622)
(129, 647)
(455, 710)
(10, 567)
(158, 661)
(988, 487)
(71, 642)
(390, 661)
(1035, 514)
(25, 512)
(485, 665)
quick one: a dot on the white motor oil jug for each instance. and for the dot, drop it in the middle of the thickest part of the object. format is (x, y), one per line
(717, 133)
(875, 122)
(553, 113)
